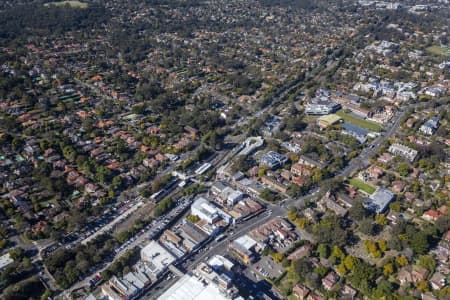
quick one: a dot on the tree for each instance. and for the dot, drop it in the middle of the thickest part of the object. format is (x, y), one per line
(116, 181)
(193, 218)
(358, 211)
(277, 256)
(419, 242)
(380, 219)
(428, 262)
(106, 274)
(321, 270)
(401, 261)
(395, 206)
(69, 153)
(384, 290)
(3, 243)
(403, 168)
(242, 163)
(47, 294)
(26, 262)
(382, 244)
(388, 269)
(372, 248)
(267, 195)
(317, 175)
(292, 213)
(331, 230)
(366, 226)
(422, 285)
(341, 269)
(262, 171)
(323, 250)
(163, 206)
(16, 253)
(350, 262)
(363, 277)
(301, 222)
(337, 252)
(301, 267)
(294, 190)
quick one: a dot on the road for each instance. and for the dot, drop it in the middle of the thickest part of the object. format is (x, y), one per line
(218, 248)
(362, 160)
(221, 247)
(142, 238)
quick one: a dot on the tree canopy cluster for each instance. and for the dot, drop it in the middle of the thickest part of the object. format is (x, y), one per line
(23, 19)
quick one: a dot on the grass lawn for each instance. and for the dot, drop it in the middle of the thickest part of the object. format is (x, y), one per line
(369, 189)
(437, 50)
(74, 4)
(371, 126)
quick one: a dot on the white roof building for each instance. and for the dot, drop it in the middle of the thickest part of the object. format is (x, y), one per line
(207, 211)
(218, 262)
(245, 242)
(402, 150)
(190, 287)
(156, 257)
(5, 261)
(231, 196)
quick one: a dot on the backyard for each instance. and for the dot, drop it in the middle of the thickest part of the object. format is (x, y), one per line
(365, 187)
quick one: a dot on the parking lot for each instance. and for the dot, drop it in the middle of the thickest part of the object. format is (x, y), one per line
(264, 268)
(144, 212)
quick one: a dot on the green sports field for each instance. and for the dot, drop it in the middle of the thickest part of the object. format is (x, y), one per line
(437, 50)
(371, 126)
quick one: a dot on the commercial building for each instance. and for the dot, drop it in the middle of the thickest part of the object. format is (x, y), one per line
(250, 186)
(328, 120)
(379, 201)
(190, 287)
(273, 159)
(276, 232)
(404, 151)
(321, 106)
(220, 263)
(206, 282)
(129, 286)
(218, 187)
(245, 209)
(244, 248)
(229, 196)
(207, 211)
(157, 257)
(193, 236)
